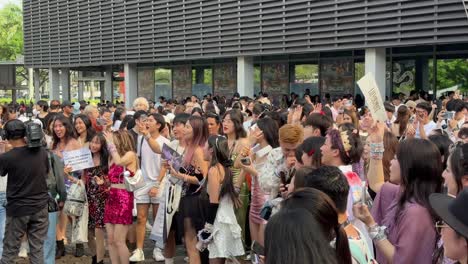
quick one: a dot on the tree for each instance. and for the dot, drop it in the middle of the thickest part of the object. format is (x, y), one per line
(452, 72)
(11, 32)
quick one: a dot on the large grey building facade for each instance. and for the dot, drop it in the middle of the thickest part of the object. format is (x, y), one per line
(231, 38)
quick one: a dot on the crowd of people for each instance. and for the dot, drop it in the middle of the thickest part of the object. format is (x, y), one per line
(297, 180)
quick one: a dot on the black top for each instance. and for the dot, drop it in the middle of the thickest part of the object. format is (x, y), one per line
(27, 170)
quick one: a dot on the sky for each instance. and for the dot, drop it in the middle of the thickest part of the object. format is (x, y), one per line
(4, 2)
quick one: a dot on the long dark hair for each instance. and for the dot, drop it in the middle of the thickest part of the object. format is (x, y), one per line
(269, 127)
(118, 114)
(90, 132)
(237, 119)
(294, 237)
(403, 116)
(104, 162)
(420, 173)
(221, 156)
(459, 164)
(324, 211)
(351, 155)
(69, 130)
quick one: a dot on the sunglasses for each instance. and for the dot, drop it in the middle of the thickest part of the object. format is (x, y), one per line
(439, 225)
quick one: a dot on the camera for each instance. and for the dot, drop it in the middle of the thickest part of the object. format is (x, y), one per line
(34, 134)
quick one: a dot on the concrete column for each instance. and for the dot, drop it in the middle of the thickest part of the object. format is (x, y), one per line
(108, 89)
(375, 60)
(245, 76)
(65, 83)
(54, 84)
(31, 83)
(37, 84)
(80, 90)
(131, 84)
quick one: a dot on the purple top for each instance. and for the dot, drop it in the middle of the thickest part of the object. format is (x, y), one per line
(413, 236)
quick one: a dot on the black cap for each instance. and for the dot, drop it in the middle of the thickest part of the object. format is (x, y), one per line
(452, 210)
(14, 129)
(67, 103)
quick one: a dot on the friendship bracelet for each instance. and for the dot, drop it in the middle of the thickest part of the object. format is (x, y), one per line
(377, 233)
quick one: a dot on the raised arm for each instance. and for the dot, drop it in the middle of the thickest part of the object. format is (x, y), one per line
(375, 174)
(153, 143)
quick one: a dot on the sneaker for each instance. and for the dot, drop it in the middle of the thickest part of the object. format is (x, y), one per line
(149, 227)
(23, 253)
(157, 254)
(137, 255)
(186, 259)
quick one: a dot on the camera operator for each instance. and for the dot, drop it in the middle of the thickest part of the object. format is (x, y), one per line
(27, 167)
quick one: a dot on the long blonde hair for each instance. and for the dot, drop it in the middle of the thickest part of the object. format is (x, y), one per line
(123, 142)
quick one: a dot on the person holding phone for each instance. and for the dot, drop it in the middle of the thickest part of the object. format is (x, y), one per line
(264, 137)
(415, 174)
(194, 172)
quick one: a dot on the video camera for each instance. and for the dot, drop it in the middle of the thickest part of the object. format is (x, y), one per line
(34, 134)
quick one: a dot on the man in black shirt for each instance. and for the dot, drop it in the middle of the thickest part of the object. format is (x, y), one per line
(27, 196)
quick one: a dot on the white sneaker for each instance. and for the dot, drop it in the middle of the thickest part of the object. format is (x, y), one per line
(157, 255)
(186, 259)
(137, 255)
(23, 253)
(149, 227)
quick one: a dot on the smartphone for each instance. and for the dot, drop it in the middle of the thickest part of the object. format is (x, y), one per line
(364, 193)
(449, 115)
(246, 161)
(258, 249)
(183, 170)
(349, 103)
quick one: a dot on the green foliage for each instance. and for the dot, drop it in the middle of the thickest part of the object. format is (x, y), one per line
(11, 32)
(452, 72)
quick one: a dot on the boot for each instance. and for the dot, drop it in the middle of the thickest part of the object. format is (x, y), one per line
(94, 260)
(60, 251)
(79, 252)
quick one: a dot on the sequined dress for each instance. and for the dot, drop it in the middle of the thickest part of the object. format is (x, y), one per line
(97, 196)
(119, 204)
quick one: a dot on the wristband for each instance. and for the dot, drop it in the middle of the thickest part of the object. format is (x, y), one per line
(377, 233)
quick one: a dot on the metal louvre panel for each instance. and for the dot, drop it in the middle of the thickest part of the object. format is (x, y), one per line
(97, 32)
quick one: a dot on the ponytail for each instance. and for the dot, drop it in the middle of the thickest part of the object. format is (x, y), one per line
(343, 252)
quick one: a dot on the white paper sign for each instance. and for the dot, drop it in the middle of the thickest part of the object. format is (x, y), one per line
(79, 159)
(373, 97)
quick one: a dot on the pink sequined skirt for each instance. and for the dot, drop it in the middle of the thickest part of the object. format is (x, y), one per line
(258, 200)
(119, 206)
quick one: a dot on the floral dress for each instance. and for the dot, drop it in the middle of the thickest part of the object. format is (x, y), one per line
(97, 196)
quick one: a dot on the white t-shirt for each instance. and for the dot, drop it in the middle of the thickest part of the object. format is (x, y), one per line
(150, 161)
(427, 128)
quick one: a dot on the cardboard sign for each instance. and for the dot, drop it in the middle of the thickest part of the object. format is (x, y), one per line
(79, 159)
(371, 93)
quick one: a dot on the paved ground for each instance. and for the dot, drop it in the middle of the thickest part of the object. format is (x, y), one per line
(148, 249)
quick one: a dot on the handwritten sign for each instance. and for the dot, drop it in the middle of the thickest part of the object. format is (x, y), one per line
(78, 159)
(373, 97)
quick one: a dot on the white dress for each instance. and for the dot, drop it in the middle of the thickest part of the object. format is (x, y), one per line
(227, 234)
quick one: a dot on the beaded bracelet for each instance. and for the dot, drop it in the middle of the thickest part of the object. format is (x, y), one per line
(377, 233)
